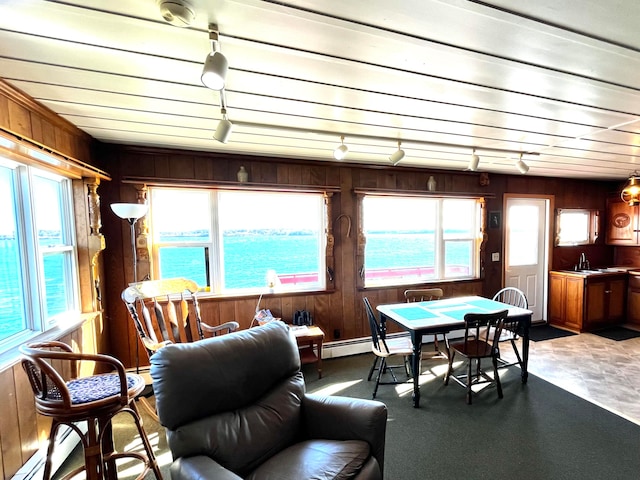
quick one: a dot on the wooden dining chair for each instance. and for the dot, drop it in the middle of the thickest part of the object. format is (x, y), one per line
(428, 295)
(517, 298)
(481, 339)
(384, 348)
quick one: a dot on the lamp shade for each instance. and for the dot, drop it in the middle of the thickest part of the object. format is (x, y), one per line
(523, 167)
(223, 131)
(215, 71)
(340, 152)
(631, 192)
(473, 163)
(130, 211)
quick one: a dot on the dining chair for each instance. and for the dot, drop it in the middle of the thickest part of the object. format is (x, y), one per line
(167, 311)
(517, 298)
(427, 295)
(384, 348)
(481, 340)
(68, 399)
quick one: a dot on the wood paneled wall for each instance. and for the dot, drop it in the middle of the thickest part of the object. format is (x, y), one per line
(339, 312)
(21, 429)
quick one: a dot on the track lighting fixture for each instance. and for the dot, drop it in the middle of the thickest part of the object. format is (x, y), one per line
(475, 160)
(342, 150)
(223, 131)
(523, 167)
(215, 65)
(397, 155)
(631, 192)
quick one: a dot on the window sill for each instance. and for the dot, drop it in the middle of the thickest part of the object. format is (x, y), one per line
(13, 356)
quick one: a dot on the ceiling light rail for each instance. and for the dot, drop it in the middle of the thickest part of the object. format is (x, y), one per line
(377, 139)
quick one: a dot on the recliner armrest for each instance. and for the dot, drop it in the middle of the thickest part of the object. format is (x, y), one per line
(200, 468)
(344, 418)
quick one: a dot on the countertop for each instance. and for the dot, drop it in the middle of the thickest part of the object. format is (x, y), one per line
(609, 271)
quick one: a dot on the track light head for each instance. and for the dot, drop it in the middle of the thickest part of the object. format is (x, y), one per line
(397, 156)
(214, 71)
(342, 150)
(473, 163)
(522, 167)
(224, 129)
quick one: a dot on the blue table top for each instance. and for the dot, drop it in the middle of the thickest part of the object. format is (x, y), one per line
(446, 313)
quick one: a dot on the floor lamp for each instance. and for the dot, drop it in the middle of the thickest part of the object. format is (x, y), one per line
(131, 212)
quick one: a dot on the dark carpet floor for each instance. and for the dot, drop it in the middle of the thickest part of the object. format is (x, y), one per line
(536, 432)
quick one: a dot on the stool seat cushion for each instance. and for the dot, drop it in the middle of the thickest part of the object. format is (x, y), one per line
(97, 387)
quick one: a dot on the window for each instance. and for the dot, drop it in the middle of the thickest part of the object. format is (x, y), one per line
(576, 226)
(239, 241)
(416, 239)
(38, 274)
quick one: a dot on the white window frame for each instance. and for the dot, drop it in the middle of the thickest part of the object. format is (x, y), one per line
(440, 243)
(31, 254)
(214, 245)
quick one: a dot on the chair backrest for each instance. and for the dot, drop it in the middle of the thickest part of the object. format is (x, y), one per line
(50, 365)
(164, 311)
(512, 296)
(423, 294)
(486, 327)
(377, 337)
(236, 397)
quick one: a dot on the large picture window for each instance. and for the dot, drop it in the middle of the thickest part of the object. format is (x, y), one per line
(38, 269)
(239, 241)
(419, 239)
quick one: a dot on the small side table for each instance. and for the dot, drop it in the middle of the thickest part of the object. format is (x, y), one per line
(307, 338)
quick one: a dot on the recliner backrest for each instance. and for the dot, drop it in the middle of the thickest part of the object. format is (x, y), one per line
(235, 398)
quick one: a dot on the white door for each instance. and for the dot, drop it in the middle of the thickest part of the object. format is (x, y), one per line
(526, 249)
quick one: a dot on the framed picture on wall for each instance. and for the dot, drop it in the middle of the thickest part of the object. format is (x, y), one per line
(495, 220)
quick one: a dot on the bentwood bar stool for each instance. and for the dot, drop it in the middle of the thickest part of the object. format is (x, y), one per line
(52, 368)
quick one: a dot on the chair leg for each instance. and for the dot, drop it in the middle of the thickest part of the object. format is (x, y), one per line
(52, 440)
(153, 463)
(383, 365)
(373, 367)
(497, 377)
(469, 381)
(515, 349)
(450, 369)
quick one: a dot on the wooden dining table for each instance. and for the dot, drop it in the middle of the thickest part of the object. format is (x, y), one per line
(444, 316)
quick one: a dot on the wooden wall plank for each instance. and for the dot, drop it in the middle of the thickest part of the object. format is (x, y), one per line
(9, 426)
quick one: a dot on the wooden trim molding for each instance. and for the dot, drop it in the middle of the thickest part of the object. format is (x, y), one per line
(226, 185)
(419, 193)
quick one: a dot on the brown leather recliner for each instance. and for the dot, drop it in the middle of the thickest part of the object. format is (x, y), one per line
(235, 407)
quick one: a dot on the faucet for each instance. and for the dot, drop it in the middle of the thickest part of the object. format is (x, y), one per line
(583, 264)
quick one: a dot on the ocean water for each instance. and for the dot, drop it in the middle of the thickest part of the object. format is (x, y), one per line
(246, 262)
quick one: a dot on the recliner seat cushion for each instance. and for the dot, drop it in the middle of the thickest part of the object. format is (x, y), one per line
(315, 460)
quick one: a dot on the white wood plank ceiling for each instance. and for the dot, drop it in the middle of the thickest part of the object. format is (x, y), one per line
(555, 81)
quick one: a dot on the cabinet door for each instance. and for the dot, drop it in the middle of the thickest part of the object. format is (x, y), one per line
(616, 306)
(633, 307)
(557, 302)
(574, 296)
(621, 223)
(596, 314)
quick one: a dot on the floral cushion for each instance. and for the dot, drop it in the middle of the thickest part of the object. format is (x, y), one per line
(97, 387)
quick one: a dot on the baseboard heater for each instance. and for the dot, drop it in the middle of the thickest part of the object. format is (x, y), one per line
(66, 442)
(344, 348)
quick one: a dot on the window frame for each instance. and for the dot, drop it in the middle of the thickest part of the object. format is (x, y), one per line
(37, 321)
(215, 269)
(439, 249)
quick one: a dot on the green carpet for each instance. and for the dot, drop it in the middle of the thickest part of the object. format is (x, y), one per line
(536, 432)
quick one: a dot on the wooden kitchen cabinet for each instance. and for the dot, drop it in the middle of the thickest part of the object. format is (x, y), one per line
(585, 302)
(623, 223)
(633, 299)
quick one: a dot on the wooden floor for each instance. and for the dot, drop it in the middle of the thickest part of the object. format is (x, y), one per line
(605, 372)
